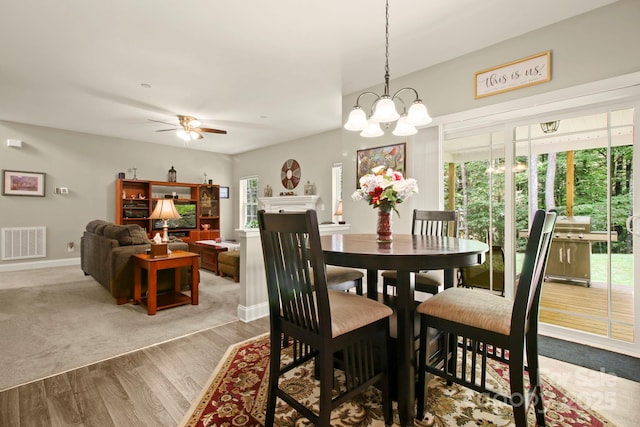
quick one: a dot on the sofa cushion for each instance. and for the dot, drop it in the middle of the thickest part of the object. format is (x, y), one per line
(97, 226)
(126, 235)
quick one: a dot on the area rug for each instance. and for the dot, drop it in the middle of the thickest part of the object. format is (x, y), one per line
(589, 357)
(237, 392)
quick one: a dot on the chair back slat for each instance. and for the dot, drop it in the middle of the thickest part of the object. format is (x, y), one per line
(435, 223)
(291, 245)
(527, 298)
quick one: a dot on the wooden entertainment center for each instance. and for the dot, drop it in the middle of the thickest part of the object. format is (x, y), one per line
(199, 205)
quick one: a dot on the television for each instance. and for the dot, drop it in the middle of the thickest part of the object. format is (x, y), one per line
(188, 213)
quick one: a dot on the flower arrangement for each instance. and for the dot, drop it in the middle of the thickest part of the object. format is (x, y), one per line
(385, 188)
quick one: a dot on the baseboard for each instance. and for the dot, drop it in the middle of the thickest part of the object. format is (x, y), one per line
(33, 265)
(254, 312)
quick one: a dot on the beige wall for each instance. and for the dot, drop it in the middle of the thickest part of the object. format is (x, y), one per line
(587, 48)
(88, 166)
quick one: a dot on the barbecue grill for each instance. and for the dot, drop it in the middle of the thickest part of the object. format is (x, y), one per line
(570, 253)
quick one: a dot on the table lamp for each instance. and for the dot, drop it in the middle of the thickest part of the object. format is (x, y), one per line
(338, 212)
(165, 210)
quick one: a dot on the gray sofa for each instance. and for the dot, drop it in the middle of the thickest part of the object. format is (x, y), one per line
(106, 251)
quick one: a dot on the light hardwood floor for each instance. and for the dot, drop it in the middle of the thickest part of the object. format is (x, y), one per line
(151, 387)
(157, 385)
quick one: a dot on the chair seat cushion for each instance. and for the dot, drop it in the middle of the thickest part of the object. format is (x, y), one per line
(350, 312)
(337, 274)
(470, 307)
(427, 278)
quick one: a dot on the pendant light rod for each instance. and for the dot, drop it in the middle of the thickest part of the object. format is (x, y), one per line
(383, 109)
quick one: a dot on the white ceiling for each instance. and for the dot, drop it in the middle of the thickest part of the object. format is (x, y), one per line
(267, 71)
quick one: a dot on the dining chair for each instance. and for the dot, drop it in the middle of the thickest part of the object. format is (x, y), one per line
(478, 326)
(426, 223)
(343, 278)
(333, 328)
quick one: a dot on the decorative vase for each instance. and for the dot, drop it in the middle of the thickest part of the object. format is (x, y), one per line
(385, 234)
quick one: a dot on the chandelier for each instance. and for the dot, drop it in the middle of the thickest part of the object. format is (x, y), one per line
(383, 109)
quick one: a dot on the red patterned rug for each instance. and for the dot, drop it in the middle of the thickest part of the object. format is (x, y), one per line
(236, 395)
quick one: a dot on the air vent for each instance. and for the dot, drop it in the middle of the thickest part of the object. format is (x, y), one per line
(24, 242)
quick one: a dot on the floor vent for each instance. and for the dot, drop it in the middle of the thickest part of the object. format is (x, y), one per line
(24, 242)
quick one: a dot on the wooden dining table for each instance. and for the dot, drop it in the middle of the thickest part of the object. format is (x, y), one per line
(406, 254)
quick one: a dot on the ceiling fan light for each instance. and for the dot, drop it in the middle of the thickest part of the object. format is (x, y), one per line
(194, 123)
(385, 110)
(183, 135)
(417, 114)
(357, 119)
(404, 128)
(193, 135)
(372, 130)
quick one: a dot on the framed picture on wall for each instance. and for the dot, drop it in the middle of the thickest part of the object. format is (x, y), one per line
(224, 192)
(390, 156)
(18, 183)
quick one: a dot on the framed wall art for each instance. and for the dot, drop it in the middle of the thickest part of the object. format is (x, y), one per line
(18, 183)
(391, 156)
(224, 192)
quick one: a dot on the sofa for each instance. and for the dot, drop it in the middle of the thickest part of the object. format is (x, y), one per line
(106, 251)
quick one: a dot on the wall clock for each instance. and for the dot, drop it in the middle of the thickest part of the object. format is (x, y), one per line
(290, 174)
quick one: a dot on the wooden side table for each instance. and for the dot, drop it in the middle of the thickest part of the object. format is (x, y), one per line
(176, 260)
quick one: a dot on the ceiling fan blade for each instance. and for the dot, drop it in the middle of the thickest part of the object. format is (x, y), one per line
(165, 130)
(166, 123)
(211, 130)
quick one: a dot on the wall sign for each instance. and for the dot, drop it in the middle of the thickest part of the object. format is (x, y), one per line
(532, 70)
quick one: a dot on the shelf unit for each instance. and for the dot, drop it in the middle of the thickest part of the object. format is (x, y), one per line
(199, 205)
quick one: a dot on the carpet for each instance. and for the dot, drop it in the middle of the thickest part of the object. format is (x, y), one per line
(58, 319)
(621, 365)
(237, 392)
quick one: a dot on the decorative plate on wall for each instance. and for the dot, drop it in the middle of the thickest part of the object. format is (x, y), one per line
(290, 174)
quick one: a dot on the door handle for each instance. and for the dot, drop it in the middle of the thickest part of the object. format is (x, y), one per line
(568, 255)
(560, 255)
(632, 225)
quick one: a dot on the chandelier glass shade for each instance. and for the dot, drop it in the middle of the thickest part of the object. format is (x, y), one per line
(383, 109)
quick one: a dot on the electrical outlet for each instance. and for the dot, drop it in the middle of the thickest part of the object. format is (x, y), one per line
(71, 246)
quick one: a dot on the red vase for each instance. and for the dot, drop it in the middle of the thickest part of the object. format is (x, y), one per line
(385, 234)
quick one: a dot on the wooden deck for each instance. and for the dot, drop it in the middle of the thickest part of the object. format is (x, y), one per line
(586, 308)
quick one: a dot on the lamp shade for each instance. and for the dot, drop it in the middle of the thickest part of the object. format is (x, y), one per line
(404, 128)
(372, 130)
(385, 111)
(418, 115)
(165, 209)
(357, 119)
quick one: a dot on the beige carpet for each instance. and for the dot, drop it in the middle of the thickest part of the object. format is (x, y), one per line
(56, 319)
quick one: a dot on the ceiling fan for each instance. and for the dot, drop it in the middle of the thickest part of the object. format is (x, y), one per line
(189, 128)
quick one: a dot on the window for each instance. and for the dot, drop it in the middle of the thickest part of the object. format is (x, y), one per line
(249, 202)
(336, 188)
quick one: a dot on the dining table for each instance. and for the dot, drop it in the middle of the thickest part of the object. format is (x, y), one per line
(406, 254)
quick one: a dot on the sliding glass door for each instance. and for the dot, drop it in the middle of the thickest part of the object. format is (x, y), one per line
(580, 164)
